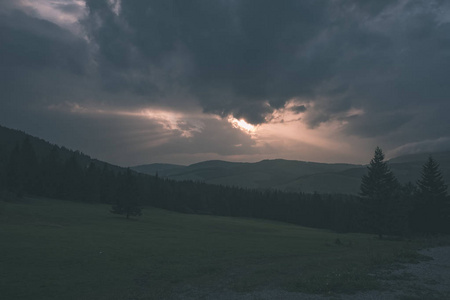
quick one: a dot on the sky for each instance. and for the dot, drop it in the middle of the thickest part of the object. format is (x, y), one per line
(174, 81)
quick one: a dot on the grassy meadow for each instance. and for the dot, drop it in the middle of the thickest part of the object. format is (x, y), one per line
(52, 249)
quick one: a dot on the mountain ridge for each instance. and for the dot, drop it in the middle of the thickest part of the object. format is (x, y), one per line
(294, 175)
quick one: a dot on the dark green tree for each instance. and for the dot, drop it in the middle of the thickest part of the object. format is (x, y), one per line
(14, 181)
(52, 174)
(379, 181)
(30, 168)
(431, 206)
(380, 189)
(127, 196)
(22, 170)
(432, 185)
(73, 188)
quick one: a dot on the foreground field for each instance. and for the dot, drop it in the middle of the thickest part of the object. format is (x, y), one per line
(63, 250)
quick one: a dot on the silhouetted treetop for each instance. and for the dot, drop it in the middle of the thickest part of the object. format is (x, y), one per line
(432, 183)
(379, 181)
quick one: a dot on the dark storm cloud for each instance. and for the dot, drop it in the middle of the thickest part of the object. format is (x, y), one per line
(241, 54)
(39, 60)
(35, 43)
(378, 69)
(298, 109)
(249, 57)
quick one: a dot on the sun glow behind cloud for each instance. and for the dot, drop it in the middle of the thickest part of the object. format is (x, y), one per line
(185, 123)
(242, 125)
(286, 134)
(283, 135)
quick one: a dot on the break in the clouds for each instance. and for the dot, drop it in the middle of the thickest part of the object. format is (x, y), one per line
(182, 81)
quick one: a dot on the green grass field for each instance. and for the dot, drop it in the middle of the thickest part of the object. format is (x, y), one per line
(64, 250)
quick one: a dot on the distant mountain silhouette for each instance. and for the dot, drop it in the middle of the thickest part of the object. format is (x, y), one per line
(292, 175)
(288, 175)
(154, 169)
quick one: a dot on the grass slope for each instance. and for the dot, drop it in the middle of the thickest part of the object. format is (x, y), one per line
(63, 250)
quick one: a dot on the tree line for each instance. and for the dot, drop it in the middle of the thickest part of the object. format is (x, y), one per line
(391, 208)
(384, 206)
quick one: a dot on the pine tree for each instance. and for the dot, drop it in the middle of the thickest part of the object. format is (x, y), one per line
(14, 181)
(379, 181)
(72, 179)
(22, 170)
(379, 187)
(432, 185)
(29, 168)
(431, 206)
(126, 202)
(52, 172)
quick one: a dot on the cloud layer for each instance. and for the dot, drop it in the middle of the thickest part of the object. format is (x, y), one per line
(338, 77)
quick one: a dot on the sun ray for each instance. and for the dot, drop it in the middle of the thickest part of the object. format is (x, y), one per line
(242, 125)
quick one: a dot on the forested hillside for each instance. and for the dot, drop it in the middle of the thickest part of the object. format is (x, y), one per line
(35, 167)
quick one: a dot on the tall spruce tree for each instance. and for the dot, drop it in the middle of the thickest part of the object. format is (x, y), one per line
(127, 198)
(379, 188)
(379, 181)
(431, 184)
(429, 214)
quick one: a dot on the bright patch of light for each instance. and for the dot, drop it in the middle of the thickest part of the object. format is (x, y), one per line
(53, 11)
(115, 6)
(171, 120)
(185, 124)
(242, 125)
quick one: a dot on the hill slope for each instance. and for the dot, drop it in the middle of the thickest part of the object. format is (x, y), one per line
(9, 138)
(278, 173)
(294, 176)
